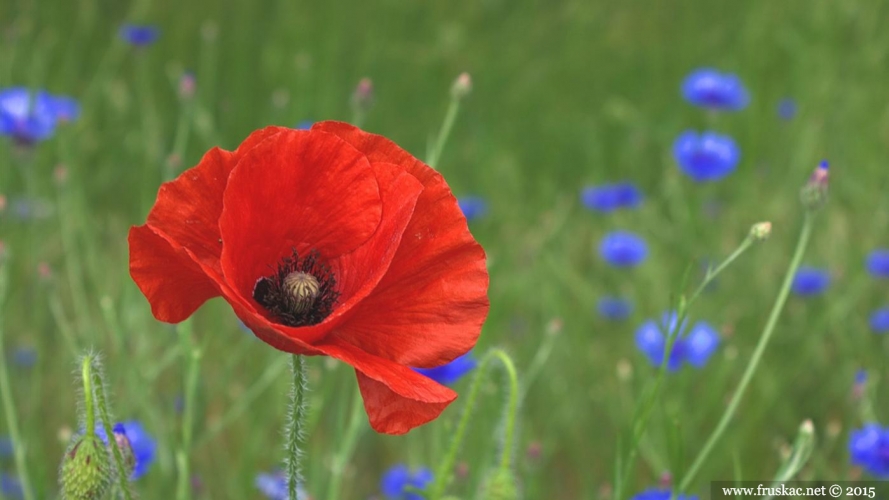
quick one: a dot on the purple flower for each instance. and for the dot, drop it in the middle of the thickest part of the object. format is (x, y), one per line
(706, 157)
(473, 207)
(610, 197)
(623, 249)
(694, 347)
(786, 108)
(451, 372)
(810, 281)
(614, 308)
(274, 486)
(139, 35)
(879, 320)
(877, 263)
(658, 494)
(869, 448)
(29, 117)
(10, 486)
(397, 479)
(143, 446)
(709, 88)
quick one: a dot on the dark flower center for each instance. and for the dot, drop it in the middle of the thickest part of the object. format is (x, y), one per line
(301, 292)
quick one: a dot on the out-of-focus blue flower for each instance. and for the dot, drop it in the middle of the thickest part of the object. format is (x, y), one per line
(140, 35)
(694, 347)
(11, 487)
(877, 263)
(706, 157)
(786, 108)
(623, 249)
(869, 448)
(879, 320)
(304, 125)
(810, 281)
(451, 372)
(610, 197)
(28, 117)
(860, 377)
(398, 478)
(274, 486)
(473, 207)
(709, 88)
(614, 308)
(24, 357)
(6, 446)
(141, 443)
(26, 208)
(658, 494)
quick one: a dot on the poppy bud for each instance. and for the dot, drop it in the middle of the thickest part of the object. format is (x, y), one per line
(86, 470)
(462, 86)
(502, 485)
(814, 193)
(761, 230)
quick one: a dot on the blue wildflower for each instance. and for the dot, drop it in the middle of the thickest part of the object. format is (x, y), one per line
(28, 117)
(877, 263)
(658, 494)
(304, 125)
(623, 249)
(473, 207)
(397, 479)
(6, 447)
(810, 281)
(25, 208)
(11, 487)
(869, 448)
(879, 320)
(449, 373)
(786, 108)
(610, 197)
(24, 357)
(706, 157)
(139, 35)
(614, 308)
(694, 347)
(709, 88)
(860, 377)
(274, 486)
(141, 444)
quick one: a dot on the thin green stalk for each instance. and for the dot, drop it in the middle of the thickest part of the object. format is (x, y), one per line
(123, 477)
(89, 408)
(803, 241)
(18, 446)
(183, 490)
(447, 464)
(296, 417)
(444, 132)
(353, 432)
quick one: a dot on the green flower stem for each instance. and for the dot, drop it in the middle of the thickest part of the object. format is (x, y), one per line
(183, 489)
(801, 244)
(88, 396)
(444, 132)
(18, 446)
(447, 464)
(353, 432)
(123, 476)
(296, 417)
(180, 142)
(643, 414)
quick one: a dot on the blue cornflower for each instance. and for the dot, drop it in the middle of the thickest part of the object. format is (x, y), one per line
(398, 478)
(877, 263)
(879, 320)
(657, 494)
(614, 308)
(24, 357)
(623, 249)
(706, 157)
(140, 35)
(274, 486)
(140, 442)
(304, 125)
(709, 88)
(28, 117)
(860, 377)
(694, 347)
(610, 197)
(473, 207)
(451, 372)
(25, 208)
(810, 281)
(786, 108)
(869, 448)
(11, 487)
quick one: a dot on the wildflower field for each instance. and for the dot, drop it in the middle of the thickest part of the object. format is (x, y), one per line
(443, 250)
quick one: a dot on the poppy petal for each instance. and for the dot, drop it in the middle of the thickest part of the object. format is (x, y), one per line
(171, 280)
(396, 398)
(187, 209)
(430, 306)
(307, 191)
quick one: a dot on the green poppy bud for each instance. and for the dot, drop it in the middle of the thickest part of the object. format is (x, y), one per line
(86, 471)
(502, 485)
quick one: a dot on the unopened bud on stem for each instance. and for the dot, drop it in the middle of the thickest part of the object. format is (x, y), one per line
(761, 231)
(814, 193)
(462, 86)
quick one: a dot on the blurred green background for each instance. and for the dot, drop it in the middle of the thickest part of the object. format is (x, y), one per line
(565, 94)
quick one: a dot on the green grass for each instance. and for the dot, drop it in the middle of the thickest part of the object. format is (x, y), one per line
(564, 94)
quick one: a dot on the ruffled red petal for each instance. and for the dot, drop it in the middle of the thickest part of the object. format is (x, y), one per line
(430, 306)
(171, 280)
(396, 398)
(307, 191)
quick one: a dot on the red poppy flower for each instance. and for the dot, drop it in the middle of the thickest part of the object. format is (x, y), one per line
(330, 241)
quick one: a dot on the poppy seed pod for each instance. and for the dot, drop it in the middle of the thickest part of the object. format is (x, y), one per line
(86, 469)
